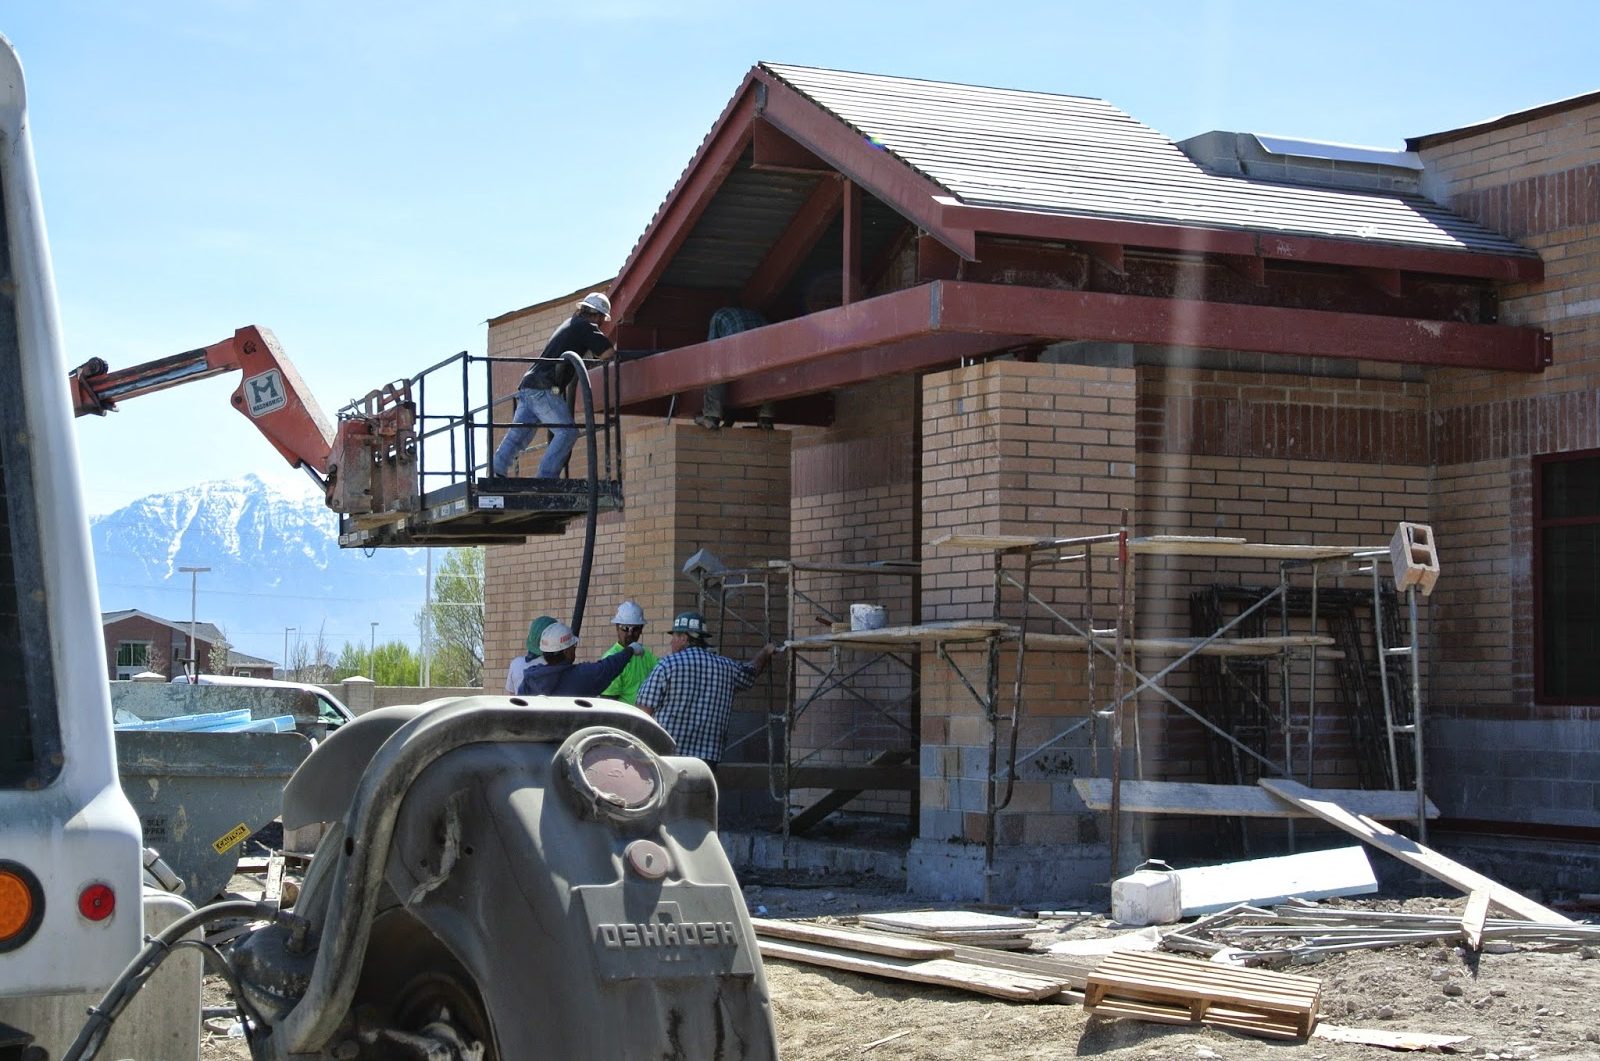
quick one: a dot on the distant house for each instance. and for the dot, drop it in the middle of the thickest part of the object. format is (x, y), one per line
(137, 641)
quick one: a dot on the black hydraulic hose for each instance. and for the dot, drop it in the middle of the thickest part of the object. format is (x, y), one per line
(127, 984)
(582, 596)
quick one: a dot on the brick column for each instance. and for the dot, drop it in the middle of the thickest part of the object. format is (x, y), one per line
(1014, 449)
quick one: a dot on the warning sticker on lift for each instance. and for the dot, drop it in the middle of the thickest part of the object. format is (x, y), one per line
(231, 837)
(491, 501)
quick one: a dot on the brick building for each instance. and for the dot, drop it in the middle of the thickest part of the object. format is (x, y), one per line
(137, 642)
(1002, 313)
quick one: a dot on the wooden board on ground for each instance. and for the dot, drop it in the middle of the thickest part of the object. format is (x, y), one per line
(949, 921)
(1242, 801)
(851, 939)
(1410, 852)
(1167, 987)
(1389, 1040)
(944, 972)
(1473, 917)
(272, 891)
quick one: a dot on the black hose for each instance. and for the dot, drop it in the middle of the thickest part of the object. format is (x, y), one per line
(582, 595)
(127, 984)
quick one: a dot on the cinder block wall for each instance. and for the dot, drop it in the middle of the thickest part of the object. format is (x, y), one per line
(1494, 751)
(1028, 449)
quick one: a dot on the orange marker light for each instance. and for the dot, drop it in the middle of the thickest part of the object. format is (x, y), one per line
(21, 905)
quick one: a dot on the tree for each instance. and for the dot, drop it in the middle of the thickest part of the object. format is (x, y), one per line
(217, 658)
(391, 663)
(452, 624)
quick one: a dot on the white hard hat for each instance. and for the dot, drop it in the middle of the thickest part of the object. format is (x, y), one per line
(629, 614)
(596, 301)
(557, 637)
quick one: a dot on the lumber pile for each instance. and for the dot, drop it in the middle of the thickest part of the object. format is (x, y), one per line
(891, 956)
(956, 926)
(1300, 932)
(1176, 990)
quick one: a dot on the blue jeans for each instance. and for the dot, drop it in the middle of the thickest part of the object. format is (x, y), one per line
(537, 407)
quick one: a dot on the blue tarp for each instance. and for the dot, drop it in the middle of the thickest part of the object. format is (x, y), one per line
(217, 722)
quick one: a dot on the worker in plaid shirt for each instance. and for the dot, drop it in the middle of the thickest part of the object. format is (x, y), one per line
(690, 692)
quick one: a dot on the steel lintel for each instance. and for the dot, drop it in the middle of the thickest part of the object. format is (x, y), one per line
(923, 327)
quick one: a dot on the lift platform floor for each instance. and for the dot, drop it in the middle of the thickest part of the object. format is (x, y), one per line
(488, 511)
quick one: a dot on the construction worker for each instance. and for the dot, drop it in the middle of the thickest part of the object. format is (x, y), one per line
(629, 622)
(690, 692)
(562, 676)
(541, 395)
(531, 659)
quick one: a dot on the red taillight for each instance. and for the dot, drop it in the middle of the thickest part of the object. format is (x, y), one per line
(97, 902)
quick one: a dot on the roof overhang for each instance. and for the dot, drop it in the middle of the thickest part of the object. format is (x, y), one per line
(764, 100)
(937, 324)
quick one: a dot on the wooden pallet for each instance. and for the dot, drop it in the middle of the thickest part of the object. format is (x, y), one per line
(1170, 989)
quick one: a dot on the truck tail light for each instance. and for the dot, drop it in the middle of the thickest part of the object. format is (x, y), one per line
(21, 905)
(97, 901)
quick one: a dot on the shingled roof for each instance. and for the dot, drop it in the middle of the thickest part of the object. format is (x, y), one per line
(1074, 155)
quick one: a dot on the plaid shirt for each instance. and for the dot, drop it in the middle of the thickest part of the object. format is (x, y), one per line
(691, 692)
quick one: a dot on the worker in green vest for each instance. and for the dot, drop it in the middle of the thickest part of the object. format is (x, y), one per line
(629, 622)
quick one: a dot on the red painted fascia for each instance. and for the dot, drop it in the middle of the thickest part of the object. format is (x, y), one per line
(1284, 247)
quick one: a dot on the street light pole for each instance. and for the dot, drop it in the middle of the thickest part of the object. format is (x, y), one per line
(372, 653)
(194, 574)
(286, 632)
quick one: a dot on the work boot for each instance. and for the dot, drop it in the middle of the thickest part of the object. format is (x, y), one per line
(710, 423)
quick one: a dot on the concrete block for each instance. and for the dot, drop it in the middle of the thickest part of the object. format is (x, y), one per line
(1071, 875)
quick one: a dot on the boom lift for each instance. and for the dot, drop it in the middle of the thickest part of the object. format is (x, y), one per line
(397, 474)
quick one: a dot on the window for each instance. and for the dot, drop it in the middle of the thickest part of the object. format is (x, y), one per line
(1566, 559)
(133, 657)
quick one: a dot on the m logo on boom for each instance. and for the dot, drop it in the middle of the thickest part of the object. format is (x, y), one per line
(264, 393)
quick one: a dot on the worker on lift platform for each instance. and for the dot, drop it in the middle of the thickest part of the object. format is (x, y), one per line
(541, 395)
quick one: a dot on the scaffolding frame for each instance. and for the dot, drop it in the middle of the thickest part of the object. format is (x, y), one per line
(1123, 649)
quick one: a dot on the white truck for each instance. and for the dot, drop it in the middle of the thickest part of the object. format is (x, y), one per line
(71, 908)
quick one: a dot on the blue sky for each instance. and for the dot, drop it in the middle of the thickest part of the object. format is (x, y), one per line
(372, 181)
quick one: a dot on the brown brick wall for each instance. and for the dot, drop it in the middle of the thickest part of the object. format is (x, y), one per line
(168, 646)
(1029, 449)
(854, 503)
(1538, 182)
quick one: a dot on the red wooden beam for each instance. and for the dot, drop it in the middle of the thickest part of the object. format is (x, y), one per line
(957, 215)
(921, 354)
(688, 199)
(1001, 309)
(935, 261)
(922, 327)
(911, 194)
(851, 286)
(772, 151)
(872, 322)
(777, 269)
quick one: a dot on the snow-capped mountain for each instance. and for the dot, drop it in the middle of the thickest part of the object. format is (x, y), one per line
(275, 564)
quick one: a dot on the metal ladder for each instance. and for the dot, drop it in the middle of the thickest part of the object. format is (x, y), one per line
(1411, 540)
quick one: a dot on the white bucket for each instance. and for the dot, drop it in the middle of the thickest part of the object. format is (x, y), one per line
(868, 617)
(1147, 897)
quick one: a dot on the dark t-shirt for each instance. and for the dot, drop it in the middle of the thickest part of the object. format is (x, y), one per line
(578, 335)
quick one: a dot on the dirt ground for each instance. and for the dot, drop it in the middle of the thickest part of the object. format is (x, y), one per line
(1525, 1004)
